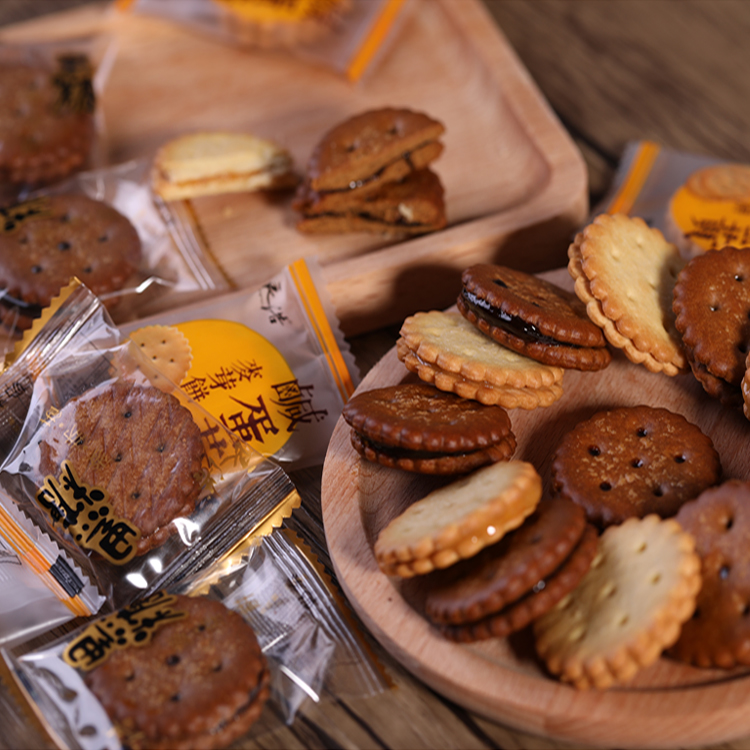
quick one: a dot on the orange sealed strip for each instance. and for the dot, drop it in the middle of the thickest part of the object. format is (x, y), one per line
(25, 548)
(640, 169)
(323, 332)
(373, 40)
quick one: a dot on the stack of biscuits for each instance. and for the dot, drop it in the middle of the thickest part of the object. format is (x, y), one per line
(371, 174)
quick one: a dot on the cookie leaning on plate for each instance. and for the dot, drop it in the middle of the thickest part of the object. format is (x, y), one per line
(629, 607)
(201, 682)
(457, 521)
(532, 316)
(418, 428)
(446, 350)
(624, 272)
(634, 461)
(711, 302)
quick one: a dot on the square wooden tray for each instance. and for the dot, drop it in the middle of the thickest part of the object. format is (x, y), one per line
(516, 186)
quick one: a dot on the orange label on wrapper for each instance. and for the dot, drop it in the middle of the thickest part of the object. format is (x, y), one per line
(242, 379)
(711, 224)
(288, 11)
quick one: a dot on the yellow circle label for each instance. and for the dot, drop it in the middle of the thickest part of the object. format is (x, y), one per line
(241, 379)
(711, 224)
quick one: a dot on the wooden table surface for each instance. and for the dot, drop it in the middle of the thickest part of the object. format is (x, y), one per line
(671, 71)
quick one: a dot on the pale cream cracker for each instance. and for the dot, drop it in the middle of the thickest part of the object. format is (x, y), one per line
(168, 349)
(458, 520)
(508, 397)
(451, 343)
(625, 272)
(630, 606)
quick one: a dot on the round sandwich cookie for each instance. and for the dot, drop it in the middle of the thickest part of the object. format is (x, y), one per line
(718, 634)
(504, 572)
(139, 445)
(711, 299)
(458, 520)
(539, 600)
(447, 351)
(532, 316)
(46, 241)
(200, 682)
(418, 428)
(628, 608)
(46, 119)
(634, 461)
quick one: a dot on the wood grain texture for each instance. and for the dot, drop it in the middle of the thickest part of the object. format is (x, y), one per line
(667, 705)
(625, 70)
(515, 184)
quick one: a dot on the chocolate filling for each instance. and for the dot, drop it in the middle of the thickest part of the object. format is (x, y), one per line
(354, 184)
(511, 324)
(394, 452)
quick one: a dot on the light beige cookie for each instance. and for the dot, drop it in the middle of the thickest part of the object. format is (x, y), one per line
(457, 521)
(451, 343)
(628, 608)
(624, 273)
(507, 396)
(721, 182)
(168, 349)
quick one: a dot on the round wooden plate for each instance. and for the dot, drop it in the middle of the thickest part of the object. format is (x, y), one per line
(667, 705)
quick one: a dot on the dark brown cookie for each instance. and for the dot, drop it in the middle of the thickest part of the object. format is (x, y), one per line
(505, 571)
(47, 241)
(137, 444)
(545, 594)
(413, 206)
(418, 428)
(374, 147)
(201, 682)
(711, 300)
(633, 461)
(46, 119)
(532, 317)
(718, 634)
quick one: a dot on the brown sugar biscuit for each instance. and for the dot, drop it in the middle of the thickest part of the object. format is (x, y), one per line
(415, 205)
(718, 388)
(449, 342)
(627, 609)
(718, 634)
(545, 594)
(624, 272)
(200, 682)
(374, 147)
(46, 119)
(634, 461)
(457, 521)
(505, 571)
(711, 303)
(418, 428)
(46, 241)
(137, 444)
(532, 316)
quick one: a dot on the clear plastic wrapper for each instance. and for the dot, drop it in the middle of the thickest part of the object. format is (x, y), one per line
(313, 651)
(114, 482)
(344, 35)
(79, 68)
(27, 606)
(169, 268)
(648, 177)
(270, 364)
